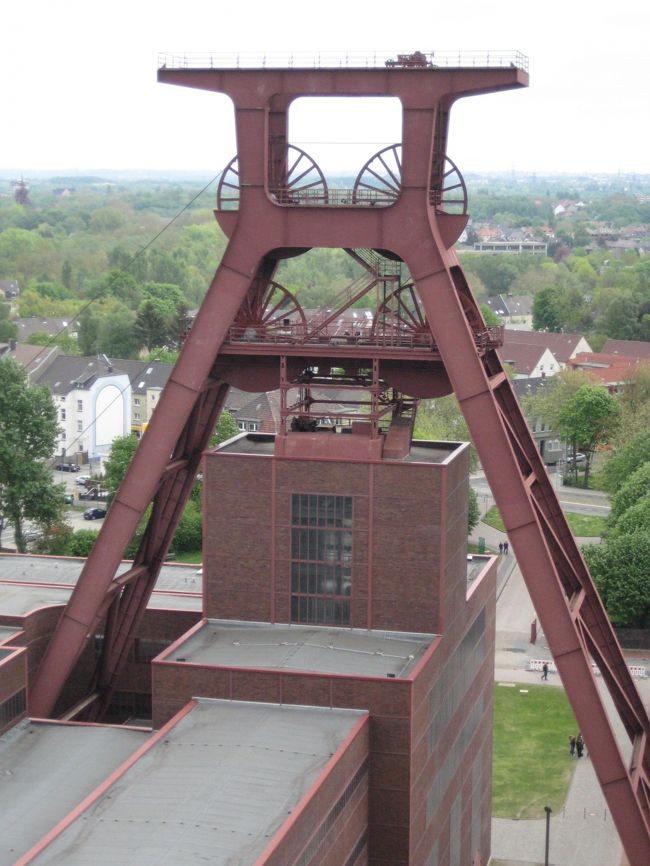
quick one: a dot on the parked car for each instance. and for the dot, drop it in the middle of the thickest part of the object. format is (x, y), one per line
(68, 498)
(94, 513)
(67, 467)
(578, 458)
(81, 480)
(31, 535)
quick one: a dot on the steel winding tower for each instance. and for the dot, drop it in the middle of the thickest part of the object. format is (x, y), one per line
(427, 338)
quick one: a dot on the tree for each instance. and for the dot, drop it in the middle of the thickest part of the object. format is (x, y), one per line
(621, 466)
(122, 451)
(226, 428)
(473, 511)
(28, 433)
(635, 519)
(620, 319)
(635, 488)
(560, 308)
(442, 419)
(489, 316)
(8, 330)
(587, 420)
(153, 324)
(621, 572)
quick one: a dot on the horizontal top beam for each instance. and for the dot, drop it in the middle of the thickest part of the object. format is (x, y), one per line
(416, 86)
(348, 60)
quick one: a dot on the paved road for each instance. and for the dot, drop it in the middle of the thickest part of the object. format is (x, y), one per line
(591, 502)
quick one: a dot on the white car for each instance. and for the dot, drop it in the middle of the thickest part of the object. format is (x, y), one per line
(81, 480)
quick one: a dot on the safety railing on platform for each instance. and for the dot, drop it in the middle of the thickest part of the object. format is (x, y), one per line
(348, 60)
(300, 334)
(331, 197)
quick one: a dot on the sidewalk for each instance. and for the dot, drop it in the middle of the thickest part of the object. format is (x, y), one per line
(582, 834)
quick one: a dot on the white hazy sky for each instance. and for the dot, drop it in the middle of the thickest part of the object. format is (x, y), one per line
(78, 80)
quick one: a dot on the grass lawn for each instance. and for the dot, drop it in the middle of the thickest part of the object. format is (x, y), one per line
(582, 525)
(194, 557)
(473, 548)
(532, 766)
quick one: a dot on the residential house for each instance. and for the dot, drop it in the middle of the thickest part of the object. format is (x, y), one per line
(33, 359)
(50, 326)
(609, 370)
(93, 398)
(147, 382)
(548, 442)
(628, 348)
(511, 309)
(564, 347)
(529, 361)
(512, 247)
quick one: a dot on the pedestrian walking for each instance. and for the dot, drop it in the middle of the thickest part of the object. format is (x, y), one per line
(545, 671)
(572, 745)
(500, 548)
(506, 547)
(580, 745)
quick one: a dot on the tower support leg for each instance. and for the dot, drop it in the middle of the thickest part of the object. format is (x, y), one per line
(568, 606)
(162, 472)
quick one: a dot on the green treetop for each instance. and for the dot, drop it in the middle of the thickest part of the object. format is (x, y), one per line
(28, 433)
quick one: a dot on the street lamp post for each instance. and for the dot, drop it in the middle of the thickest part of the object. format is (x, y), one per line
(548, 811)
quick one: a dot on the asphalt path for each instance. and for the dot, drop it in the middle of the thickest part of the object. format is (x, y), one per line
(594, 503)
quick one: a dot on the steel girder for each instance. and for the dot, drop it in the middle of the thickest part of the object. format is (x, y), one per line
(565, 599)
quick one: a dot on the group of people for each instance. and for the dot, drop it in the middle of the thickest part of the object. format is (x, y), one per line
(504, 547)
(576, 745)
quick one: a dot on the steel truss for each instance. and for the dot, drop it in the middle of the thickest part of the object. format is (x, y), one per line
(419, 233)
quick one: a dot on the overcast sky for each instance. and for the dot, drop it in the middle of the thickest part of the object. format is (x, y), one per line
(79, 90)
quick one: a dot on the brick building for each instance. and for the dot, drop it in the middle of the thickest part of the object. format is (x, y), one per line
(330, 705)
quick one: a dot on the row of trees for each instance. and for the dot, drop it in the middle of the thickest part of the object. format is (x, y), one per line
(620, 565)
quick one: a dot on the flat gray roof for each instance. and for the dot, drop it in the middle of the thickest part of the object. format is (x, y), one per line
(54, 569)
(29, 582)
(346, 651)
(7, 631)
(47, 770)
(20, 599)
(476, 563)
(215, 789)
(264, 443)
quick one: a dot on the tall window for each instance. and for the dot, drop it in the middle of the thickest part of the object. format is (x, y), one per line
(321, 558)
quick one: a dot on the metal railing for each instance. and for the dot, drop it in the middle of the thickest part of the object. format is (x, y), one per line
(345, 60)
(300, 334)
(331, 197)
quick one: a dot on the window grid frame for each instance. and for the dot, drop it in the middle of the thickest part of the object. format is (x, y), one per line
(321, 522)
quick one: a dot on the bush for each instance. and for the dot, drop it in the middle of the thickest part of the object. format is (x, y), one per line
(189, 533)
(630, 458)
(621, 571)
(635, 488)
(81, 542)
(635, 519)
